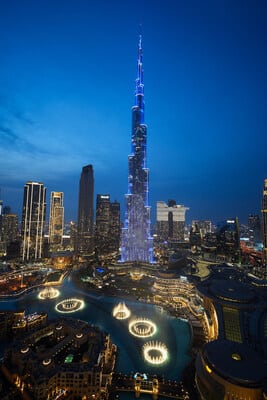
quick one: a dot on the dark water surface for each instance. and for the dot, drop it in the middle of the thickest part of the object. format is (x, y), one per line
(98, 311)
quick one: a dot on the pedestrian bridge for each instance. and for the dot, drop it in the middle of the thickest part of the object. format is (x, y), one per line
(143, 383)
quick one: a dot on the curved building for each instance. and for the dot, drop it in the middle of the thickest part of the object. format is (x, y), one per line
(233, 366)
(227, 370)
(235, 306)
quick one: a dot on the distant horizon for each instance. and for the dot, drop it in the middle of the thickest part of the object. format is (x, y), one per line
(67, 87)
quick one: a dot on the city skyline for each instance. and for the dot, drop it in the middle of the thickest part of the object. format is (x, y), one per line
(67, 84)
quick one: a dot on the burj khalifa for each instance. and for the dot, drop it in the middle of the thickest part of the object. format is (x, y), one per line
(137, 243)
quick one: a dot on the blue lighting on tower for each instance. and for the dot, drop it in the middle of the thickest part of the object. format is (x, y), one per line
(137, 243)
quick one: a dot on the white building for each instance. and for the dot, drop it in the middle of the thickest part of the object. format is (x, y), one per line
(33, 220)
(56, 218)
(170, 220)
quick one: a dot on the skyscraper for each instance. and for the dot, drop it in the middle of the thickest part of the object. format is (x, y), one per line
(254, 226)
(264, 221)
(107, 229)
(85, 228)
(115, 226)
(33, 220)
(228, 239)
(102, 228)
(56, 218)
(137, 243)
(1, 217)
(170, 221)
(9, 228)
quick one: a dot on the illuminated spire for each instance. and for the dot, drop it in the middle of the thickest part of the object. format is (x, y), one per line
(139, 87)
(137, 243)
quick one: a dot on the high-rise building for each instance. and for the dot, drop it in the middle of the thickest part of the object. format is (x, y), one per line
(56, 218)
(137, 243)
(170, 221)
(204, 226)
(228, 238)
(85, 227)
(1, 218)
(102, 227)
(9, 228)
(115, 226)
(107, 229)
(254, 226)
(264, 221)
(195, 237)
(33, 220)
(9, 243)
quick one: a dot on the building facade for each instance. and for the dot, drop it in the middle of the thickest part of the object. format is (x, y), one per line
(235, 306)
(233, 364)
(170, 221)
(204, 226)
(33, 220)
(228, 239)
(9, 228)
(85, 226)
(1, 218)
(115, 226)
(107, 230)
(64, 359)
(254, 226)
(264, 221)
(137, 243)
(56, 218)
(229, 370)
(102, 228)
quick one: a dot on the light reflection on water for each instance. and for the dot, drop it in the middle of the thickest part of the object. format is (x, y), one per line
(98, 311)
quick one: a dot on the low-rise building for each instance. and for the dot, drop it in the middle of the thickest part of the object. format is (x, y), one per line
(230, 370)
(66, 357)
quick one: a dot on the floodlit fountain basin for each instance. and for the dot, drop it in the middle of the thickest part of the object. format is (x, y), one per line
(48, 293)
(155, 352)
(142, 327)
(121, 311)
(69, 305)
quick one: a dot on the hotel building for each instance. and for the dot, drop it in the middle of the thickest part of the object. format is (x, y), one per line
(56, 218)
(170, 221)
(107, 230)
(33, 220)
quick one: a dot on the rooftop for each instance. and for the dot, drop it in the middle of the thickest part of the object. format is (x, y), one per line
(238, 361)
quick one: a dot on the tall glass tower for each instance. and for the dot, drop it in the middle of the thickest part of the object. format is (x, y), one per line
(56, 218)
(85, 229)
(33, 220)
(137, 243)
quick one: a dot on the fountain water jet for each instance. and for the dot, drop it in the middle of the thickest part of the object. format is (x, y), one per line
(142, 327)
(69, 305)
(48, 293)
(155, 352)
(121, 311)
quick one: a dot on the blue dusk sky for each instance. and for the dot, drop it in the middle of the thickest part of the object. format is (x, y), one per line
(67, 78)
